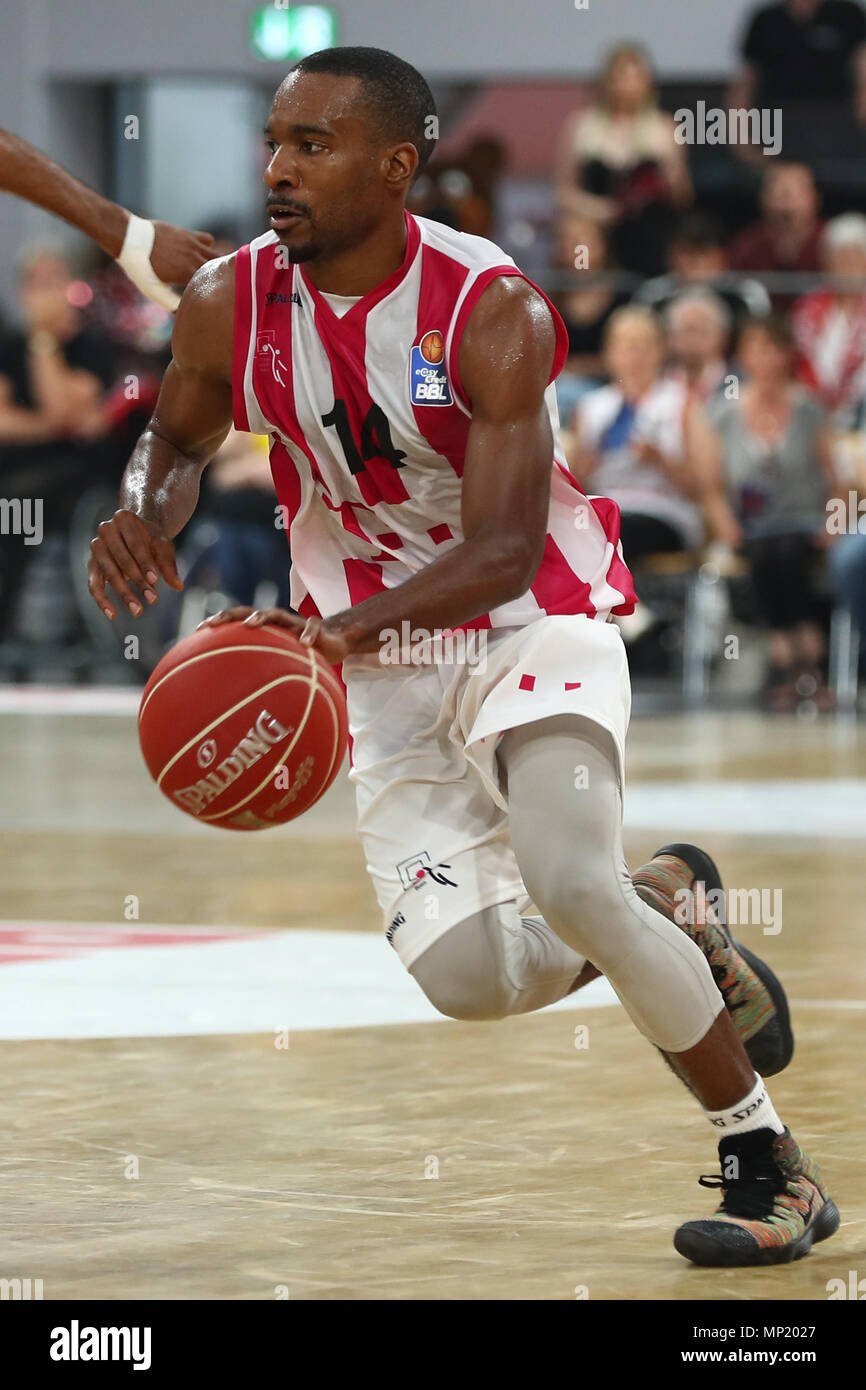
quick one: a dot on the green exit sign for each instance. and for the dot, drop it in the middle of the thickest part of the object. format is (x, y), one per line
(282, 31)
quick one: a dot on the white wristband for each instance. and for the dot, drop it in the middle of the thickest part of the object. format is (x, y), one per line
(134, 260)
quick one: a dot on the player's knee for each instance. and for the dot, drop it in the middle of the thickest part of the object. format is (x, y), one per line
(573, 896)
(462, 980)
(471, 1000)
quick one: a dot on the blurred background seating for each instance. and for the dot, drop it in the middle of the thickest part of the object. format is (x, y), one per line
(714, 297)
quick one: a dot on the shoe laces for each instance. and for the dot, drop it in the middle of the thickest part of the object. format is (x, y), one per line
(751, 1195)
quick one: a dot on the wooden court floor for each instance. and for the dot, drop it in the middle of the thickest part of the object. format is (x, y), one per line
(418, 1160)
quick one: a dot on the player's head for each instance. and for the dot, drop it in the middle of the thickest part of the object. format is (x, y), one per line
(348, 130)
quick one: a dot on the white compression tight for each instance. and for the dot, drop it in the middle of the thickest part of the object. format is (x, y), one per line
(566, 835)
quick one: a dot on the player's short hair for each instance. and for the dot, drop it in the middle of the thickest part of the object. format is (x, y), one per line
(395, 93)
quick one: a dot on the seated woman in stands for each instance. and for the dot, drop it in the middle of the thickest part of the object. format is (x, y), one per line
(642, 440)
(777, 474)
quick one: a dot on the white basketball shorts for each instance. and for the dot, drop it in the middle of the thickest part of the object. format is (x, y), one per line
(432, 815)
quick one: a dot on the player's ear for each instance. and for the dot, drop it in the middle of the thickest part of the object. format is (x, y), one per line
(400, 165)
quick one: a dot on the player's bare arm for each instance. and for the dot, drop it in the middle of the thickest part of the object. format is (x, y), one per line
(160, 485)
(29, 174)
(505, 361)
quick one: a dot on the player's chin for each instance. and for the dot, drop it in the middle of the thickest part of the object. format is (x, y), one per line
(300, 251)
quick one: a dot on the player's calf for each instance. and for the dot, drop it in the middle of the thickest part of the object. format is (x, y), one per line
(753, 996)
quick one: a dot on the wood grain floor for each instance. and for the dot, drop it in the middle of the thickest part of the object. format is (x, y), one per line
(420, 1161)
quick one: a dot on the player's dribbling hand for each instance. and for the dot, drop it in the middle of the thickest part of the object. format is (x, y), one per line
(313, 632)
(129, 550)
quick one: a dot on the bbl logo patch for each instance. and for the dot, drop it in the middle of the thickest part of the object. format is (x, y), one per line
(428, 379)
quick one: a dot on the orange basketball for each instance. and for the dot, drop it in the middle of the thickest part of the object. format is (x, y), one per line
(432, 346)
(243, 727)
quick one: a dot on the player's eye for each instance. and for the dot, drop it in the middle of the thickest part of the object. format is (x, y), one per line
(311, 146)
(271, 145)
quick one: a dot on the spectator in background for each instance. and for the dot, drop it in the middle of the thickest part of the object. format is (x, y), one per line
(806, 58)
(697, 257)
(484, 161)
(462, 193)
(53, 421)
(698, 326)
(788, 235)
(848, 571)
(241, 502)
(585, 309)
(53, 370)
(847, 553)
(830, 324)
(619, 164)
(641, 441)
(777, 472)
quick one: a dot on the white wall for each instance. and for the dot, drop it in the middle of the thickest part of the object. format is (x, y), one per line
(204, 149)
(46, 41)
(445, 38)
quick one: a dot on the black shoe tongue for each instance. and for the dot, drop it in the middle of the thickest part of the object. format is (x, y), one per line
(755, 1143)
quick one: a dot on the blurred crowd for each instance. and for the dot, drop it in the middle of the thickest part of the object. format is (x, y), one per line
(80, 367)
(716, 381)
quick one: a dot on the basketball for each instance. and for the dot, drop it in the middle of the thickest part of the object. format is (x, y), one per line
(243, 727)
(432, 346)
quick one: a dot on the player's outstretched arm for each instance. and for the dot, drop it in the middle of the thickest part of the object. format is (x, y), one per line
(174, 256)
(505, 362)
(160, 485)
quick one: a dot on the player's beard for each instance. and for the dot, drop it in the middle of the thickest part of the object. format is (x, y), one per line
(297, 254)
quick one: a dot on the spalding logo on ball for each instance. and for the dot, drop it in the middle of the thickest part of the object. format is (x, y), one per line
(243, 727)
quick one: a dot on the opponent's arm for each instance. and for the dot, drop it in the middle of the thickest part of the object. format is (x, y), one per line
(160, 485)
(30, 174)
(505, 361)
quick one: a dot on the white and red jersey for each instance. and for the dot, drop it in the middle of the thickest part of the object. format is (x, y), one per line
(369, 423)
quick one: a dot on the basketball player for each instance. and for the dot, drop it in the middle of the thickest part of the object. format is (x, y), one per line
(154, 255)
(404, 374)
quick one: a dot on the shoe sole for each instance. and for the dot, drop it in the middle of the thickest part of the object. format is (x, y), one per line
(706, 1250)
(705, 871)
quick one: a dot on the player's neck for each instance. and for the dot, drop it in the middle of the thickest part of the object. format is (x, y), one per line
(360, 269)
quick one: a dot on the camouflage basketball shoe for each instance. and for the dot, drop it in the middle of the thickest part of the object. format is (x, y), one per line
(753, 996)
(774, 1206)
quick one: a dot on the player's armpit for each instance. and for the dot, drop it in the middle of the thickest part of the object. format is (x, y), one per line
(505, 362)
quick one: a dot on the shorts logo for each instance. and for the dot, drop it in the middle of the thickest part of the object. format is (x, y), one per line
(419, 869)
(395, 923)
(428, 379)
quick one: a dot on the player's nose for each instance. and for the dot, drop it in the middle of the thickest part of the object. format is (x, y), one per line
(281, 170)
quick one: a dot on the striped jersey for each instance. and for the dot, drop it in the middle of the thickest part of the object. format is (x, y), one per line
(368, 422)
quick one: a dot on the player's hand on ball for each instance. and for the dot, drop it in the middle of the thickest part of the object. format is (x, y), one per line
(313, 632)
(129, 550)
